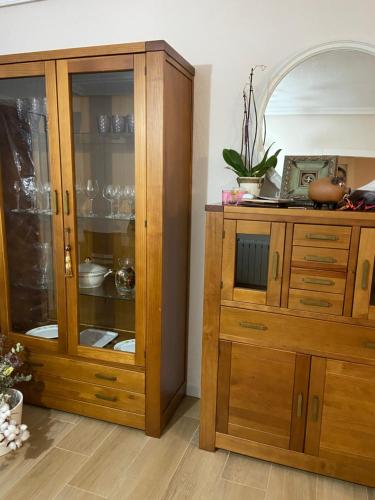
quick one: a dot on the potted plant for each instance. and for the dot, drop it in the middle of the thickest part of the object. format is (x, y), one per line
(12, 432)
(250, 176)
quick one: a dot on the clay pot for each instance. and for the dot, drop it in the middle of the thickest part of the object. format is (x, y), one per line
(328, 190)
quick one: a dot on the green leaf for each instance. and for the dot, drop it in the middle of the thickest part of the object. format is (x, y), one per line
(235, 162)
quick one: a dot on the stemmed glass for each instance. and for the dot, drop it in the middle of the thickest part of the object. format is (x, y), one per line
(45, 190)
(17, 187)
(118, 196)
(129, 195)
(110, 193)
(92, 191)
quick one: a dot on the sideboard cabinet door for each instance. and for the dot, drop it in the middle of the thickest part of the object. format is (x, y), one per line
(364, 293)
(262, 395)
(253, 254)
(340, 420)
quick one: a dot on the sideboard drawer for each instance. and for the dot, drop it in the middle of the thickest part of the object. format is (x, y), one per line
(320, 281)
(312, 336)
(118, 378)
(323, 302)
(320, 258)
(323, 236)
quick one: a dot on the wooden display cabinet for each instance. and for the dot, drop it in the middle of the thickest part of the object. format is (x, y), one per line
(95, 158)
(290, 380)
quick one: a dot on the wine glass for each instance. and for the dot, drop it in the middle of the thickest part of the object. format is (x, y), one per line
(92, 191)
(110, 193)
(129, 195)
(118, 196)
(17, 187)
(45, 191)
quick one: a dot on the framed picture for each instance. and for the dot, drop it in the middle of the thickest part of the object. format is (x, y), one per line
(300, 171)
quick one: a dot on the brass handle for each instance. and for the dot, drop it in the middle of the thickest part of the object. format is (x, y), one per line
(318, 281)
(254, 326)
(365, 273)
(320, 258)
(369, 345)
(106, 398)
(66, 203)
(299, 404)
(315, 408)
(105, 377)
(314, 302)
(55, 203)
(275, 265)
(330, 237)
(68, 262)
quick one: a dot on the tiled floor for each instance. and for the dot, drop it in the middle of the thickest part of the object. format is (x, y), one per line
(76, 458)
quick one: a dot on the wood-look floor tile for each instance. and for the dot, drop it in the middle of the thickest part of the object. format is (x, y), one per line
(47, 477)
(45, 433)
(65, 416)
(73, 493)
(329, 488)
(247, 471)
(189, 407)
(197, 475)
(286, 483)
(149, 475)
(226, 490)
(106, 468)
(86, 436)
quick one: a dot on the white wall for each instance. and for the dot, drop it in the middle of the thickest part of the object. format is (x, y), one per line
(222, 39)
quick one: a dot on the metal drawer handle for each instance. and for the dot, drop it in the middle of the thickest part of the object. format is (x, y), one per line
(320, 258)
(105, 377)
(275, 265)
(55, 203)
(369, 345)
(254, 326)
(315, 408)
(106, 398)
(330, 237)
(299, 404)
(365, 273)
(314, 302)
(318, 281)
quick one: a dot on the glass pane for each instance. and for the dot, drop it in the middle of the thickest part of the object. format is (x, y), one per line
(25, 185)
(252, 252)
(103, 124)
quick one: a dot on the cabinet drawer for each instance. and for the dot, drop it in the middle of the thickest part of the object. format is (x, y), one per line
(306, 335)
(320, 258)
(323, 302)
(118, 378)
(320, 281)
(316, 235)
(47, 385)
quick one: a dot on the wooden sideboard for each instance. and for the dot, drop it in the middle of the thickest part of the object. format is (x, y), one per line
(288, 364)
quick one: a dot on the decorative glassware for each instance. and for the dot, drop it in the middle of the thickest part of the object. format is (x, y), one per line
(36, 110)
(17, 186)
(92, 191)
(29, 186)
(45, 190)
(110, 193)
(129, 196)
(125, 277)
(118, 124)
(22, 107)
(104, 124)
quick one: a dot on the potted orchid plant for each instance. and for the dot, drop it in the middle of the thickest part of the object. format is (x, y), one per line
(250, 174)
(12, 432)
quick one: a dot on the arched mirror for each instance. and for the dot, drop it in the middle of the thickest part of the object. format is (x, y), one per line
(322, 112)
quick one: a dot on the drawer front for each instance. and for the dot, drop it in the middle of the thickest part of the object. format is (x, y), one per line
(90, 393)
(306, 335)
(322, 302)
(320, 258)
(319, 281)
(108, 376)
(316, 235)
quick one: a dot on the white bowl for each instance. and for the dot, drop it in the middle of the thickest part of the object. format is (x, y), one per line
(92, 275)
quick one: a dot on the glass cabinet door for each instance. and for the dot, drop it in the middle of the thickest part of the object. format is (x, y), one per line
(253, 255)
(32, 289)
(104, 219)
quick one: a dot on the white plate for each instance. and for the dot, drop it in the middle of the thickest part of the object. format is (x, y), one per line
(125, 346)
(96, 338)
(44, 332)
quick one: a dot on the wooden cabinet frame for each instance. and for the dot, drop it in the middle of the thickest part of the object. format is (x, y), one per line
(364, 277)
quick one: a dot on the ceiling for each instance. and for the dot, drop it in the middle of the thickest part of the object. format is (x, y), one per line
(334, 82)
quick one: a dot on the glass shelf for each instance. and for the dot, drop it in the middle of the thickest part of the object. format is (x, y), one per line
(107, 291)
(96, 138)
(27, 211)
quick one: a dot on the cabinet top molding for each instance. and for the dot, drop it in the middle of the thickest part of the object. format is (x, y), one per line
(100, 50)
